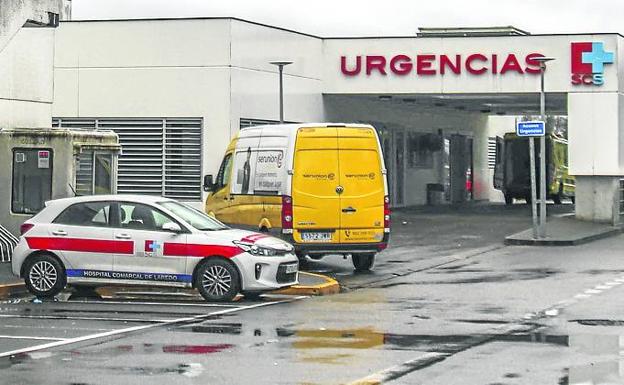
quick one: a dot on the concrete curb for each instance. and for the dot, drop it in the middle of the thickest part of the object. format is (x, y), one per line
(8, 289)
(519, 240)
(328, 286)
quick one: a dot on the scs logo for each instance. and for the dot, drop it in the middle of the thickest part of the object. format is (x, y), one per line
(588, 60)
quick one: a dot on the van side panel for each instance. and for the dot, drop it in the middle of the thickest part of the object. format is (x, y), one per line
(316, 204)
(362, 201)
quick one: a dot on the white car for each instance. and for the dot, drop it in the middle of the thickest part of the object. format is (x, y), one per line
(145, 240)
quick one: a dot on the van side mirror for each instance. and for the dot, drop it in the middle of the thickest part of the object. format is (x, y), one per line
(208, 183)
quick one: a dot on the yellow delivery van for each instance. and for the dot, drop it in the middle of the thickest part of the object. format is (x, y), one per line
(321, 187)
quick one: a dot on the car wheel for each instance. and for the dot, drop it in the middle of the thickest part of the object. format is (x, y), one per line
(217, 280)
(363, 262)
(45, 276)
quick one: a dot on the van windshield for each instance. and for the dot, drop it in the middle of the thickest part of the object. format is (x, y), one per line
(193, 217)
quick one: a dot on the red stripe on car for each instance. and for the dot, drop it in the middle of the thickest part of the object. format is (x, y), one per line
(194, 250)
(254, 238)
(81, 244)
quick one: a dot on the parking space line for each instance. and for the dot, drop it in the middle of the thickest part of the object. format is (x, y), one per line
(32, 338)
(57, 317)
(142, 327)
(207, 304)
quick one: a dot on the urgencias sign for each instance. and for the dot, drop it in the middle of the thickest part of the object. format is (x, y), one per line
(430, 64)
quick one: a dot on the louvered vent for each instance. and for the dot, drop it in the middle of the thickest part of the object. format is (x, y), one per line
(159, 156)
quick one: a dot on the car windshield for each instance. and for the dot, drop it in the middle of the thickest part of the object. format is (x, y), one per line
(193, 217)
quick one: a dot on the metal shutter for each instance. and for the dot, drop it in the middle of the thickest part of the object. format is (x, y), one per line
(159, 156)
(183, 159)
(140, 166)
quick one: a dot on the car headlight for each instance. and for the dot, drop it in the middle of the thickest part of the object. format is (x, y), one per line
(255, 249)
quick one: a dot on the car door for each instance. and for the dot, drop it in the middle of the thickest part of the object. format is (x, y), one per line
(220, 200)
(83, 237)
(157, 254)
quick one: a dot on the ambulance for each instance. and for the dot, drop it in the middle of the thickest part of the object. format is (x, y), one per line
(321, 187)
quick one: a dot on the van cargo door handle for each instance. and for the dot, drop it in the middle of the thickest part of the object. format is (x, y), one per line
(122, 236)
(59, 232)
(349, 210)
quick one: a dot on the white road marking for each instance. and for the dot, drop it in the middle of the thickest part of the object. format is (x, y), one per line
(603, 287)
(592, 291)
(70, 318)
(613, 283)
(207, 304)
(32, 338)
(141, 328)
(582, 296)
(401, 369)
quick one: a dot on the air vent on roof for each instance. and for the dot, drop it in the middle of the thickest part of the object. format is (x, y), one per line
(471, 32)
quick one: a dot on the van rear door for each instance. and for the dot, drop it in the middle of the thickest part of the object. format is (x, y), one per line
(362, 198)
(316, 203)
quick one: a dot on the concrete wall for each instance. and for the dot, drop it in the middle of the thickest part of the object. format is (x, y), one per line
(147, 69)
(26, 62)
(214, 69)
(255, 82)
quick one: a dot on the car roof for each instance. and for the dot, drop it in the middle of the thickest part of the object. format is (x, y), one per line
(110, 197)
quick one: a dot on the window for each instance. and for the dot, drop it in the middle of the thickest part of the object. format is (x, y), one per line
(32, 179)
(420, 149)
(194, 217)
(93, 174)
(223, 177)
(142, 217)
(86, 214)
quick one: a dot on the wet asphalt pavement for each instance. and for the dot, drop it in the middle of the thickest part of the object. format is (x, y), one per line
(446, 304)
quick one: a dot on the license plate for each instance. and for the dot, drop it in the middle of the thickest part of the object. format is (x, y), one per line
(316, 237)
(292, 268)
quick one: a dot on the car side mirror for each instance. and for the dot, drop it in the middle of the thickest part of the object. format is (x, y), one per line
(172, 227)
(208, 183)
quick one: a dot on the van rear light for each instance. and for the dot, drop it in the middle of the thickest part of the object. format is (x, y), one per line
(287, 215)
(386, 214)
(25, 227)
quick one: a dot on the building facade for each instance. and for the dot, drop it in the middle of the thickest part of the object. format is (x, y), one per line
(177, 90)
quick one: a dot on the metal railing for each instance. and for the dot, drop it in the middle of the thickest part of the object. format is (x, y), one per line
(7, 243)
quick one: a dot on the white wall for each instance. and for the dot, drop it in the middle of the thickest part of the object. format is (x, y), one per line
(255, 82)
(26, 79)
(172, 68)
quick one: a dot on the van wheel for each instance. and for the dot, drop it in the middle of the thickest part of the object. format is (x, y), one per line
(363, 262)
(45, 276)
(217, 280)
(508, 199)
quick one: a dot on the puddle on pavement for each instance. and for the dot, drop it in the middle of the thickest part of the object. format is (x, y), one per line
(320, 345)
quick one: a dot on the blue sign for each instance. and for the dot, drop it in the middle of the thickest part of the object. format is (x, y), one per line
(536, 128)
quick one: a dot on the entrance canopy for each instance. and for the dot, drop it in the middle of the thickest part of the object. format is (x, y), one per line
(487, 104)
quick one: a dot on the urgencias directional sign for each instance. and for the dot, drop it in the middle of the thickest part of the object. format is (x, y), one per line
(535, 128)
